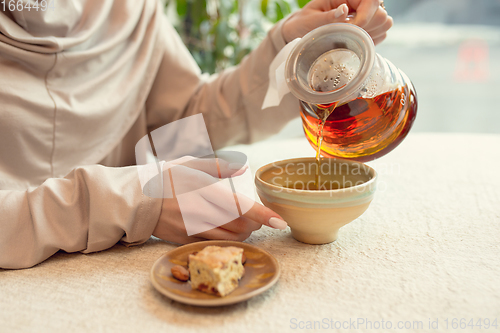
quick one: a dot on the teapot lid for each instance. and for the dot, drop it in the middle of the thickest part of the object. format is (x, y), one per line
(345, 38)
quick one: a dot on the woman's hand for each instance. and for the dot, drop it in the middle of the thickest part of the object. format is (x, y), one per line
(369, 15)
(208, 202)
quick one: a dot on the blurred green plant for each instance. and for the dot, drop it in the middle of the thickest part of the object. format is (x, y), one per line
(219, 33)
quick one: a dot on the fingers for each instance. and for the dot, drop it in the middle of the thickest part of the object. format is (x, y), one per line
(250, 209)
(228, 169)
(376, 25)
(171, 226)
(253, 211)
(323, 5)
(379, 39)
(242, 225)
(381, 29)
(336, 15)
(378, 19)
(365, 12)
(206, 202)
(223, 234)
(264, 216)
(237, 230)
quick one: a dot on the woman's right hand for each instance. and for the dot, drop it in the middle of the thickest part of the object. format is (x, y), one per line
(367, 14)
(206, 202)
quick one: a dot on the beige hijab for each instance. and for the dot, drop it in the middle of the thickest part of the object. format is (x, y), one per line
(63, 71)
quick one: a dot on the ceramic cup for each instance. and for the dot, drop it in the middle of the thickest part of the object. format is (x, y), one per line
(315, 216)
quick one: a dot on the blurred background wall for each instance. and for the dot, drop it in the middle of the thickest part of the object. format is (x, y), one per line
(450, 49)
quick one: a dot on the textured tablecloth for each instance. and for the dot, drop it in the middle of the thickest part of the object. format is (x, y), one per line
(426, 251)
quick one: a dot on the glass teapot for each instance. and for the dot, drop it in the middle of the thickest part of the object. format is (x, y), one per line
(357, 101)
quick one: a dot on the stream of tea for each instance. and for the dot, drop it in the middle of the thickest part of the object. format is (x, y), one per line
(332, 71)
(323, 112)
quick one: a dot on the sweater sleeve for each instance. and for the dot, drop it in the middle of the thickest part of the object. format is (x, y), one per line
(90, 209)
(230, 101)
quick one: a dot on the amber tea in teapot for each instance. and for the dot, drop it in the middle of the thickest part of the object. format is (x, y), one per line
(352, 129)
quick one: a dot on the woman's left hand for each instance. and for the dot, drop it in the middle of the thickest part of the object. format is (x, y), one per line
(369, 15)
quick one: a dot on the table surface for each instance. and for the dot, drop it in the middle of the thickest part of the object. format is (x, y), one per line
(427, 249)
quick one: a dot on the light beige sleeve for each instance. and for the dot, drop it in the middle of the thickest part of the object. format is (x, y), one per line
(91, 209)
(230, 101)
(94, 207)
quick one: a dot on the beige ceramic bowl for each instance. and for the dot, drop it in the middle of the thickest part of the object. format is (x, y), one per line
(315, 217)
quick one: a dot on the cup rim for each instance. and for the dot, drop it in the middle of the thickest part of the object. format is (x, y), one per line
(315, 193)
